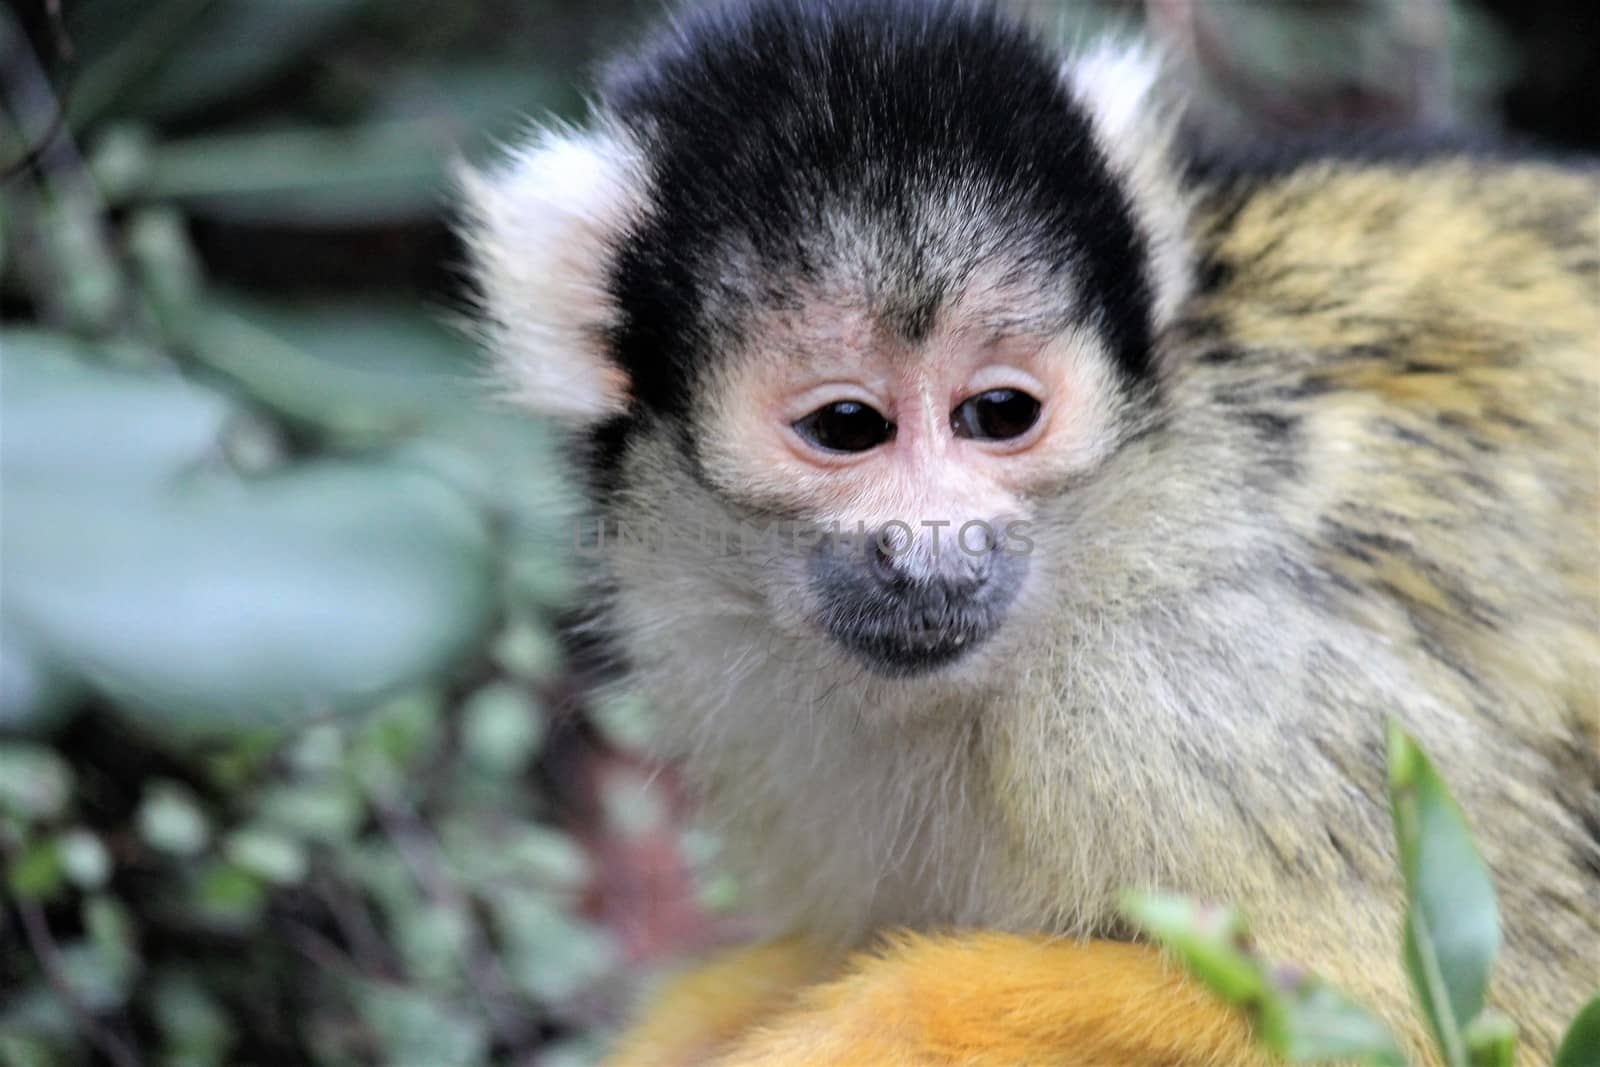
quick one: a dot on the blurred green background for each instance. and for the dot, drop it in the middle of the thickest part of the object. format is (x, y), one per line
(294, 765)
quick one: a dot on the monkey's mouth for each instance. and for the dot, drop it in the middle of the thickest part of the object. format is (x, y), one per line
(892, 649)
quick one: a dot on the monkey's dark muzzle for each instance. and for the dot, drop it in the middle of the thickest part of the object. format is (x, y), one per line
(909, 612)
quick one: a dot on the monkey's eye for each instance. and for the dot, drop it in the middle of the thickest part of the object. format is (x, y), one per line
(998, 415)
(846, 426)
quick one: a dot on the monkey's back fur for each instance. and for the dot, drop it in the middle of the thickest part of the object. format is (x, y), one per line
(1405, 361)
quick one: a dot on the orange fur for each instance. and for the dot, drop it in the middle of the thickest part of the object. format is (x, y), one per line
(977, 1000)
(697, 1014)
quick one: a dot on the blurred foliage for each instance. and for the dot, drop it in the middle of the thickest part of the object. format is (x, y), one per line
(293, 768)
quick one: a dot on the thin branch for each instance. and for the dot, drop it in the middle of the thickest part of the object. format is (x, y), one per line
(323, 952)
(355, 924)
(421, 854)
(49, 957)
(58, 27)
(24, 88)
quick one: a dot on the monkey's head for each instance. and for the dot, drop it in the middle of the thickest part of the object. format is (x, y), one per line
(838, 292)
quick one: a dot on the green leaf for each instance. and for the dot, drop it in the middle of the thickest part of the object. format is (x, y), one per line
(120, 158)
(35, 783)
(123, 42)
(376, 868)
(35, 873)
(378, 173)
(1491, 1041)
(171, 821)
(33, 1007)
(110, 932)
(234, 766)
(84, 859)
(360, 370)
(318, 751)
(1299, 1018)
(418, 1031)
(102, 966)
(1211, 943)
(272, 856)
(433, 940)
(160, 60)
(69, 422)
(1581, 1046)
(526, 650)
(169, 268)
(73, 268)
(191, 1021)
(1452, 929)
(513, 466)
(501, 729)
(392, 738)
(95, 979)
(227, 603)
(521, 854)
(239, 44)
(230, 896)
(489, 102)
(327, 811)
(549, 954)
(19, 1049)
(1321, 1025)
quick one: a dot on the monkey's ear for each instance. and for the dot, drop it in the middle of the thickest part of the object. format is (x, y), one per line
(541, 230)
(1135, 116)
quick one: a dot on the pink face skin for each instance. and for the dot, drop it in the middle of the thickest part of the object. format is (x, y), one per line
(832, 352)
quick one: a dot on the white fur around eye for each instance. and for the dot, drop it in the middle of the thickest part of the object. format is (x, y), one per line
(541, 229)
(987, 379)
(813, 399)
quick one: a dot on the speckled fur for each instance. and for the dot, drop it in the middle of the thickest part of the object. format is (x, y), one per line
(1364, 485)
(1373, 493)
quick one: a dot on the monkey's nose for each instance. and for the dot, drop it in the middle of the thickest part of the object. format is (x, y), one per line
(906, 605)
(888, 566)
(904, 565)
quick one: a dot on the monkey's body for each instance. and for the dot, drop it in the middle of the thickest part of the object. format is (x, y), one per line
(1353, 472)
(1378, 498)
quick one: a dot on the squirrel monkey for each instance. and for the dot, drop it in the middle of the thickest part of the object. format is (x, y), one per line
(1032, 510)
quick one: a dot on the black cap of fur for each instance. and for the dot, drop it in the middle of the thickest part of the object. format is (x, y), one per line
(755, 116)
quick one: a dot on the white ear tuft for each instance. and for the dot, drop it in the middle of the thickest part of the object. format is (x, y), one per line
(1116, 81)
(1135, 123)
(541, 230)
